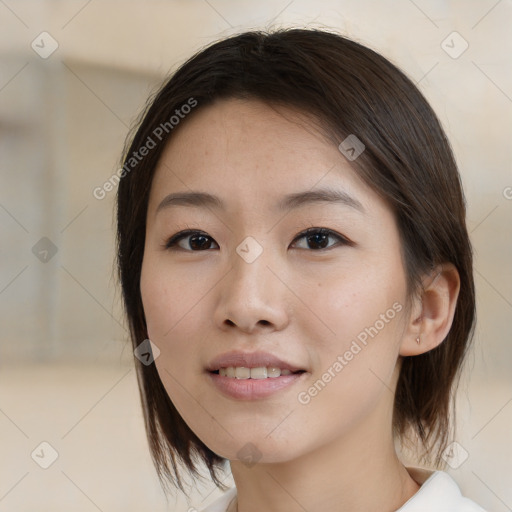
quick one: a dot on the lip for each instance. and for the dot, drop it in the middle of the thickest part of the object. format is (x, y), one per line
(253, 389)
(250, 360)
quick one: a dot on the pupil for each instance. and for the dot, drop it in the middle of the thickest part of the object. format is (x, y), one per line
(319, 239)
(201, 245)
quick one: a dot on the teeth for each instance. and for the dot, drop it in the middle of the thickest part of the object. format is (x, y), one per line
(240, 372)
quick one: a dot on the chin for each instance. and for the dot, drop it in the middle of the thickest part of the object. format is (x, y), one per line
(256, 451)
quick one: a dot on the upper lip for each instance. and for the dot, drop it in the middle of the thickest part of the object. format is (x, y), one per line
(250, 360)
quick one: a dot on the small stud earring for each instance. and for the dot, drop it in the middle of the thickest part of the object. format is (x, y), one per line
(418, 340)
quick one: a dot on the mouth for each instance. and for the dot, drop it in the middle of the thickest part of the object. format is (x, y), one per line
(255, 365)
(252, 375)
(255, 387)
(258, 373)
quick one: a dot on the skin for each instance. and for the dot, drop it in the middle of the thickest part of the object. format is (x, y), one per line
(302, 303)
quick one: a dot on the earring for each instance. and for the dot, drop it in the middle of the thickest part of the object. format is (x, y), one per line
(418, 340)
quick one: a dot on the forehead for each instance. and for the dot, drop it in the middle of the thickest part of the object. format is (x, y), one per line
(246, 150)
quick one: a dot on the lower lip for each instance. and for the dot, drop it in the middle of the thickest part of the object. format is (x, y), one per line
(253, 389)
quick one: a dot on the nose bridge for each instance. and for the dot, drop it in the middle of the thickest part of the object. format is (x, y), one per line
(252, 293)
(250, 275)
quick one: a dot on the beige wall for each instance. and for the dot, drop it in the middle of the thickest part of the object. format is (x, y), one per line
(63, 120)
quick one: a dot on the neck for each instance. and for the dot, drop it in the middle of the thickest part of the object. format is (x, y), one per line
(359, 471)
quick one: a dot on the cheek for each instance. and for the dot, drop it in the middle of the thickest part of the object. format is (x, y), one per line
(157, 302)
(362, 311)
(172, 308)
(352, 299)
(357, 357)
(178, 323)
(168, 300)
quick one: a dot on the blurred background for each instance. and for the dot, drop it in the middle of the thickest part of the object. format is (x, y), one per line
(73, 77)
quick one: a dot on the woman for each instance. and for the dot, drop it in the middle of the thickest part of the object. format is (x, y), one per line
(292, 240)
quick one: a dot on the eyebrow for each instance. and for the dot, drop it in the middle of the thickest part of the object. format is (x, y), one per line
(287, 203)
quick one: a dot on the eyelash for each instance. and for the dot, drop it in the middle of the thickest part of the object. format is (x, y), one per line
(171, 244)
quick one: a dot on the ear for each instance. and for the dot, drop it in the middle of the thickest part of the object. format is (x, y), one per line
(432, 311)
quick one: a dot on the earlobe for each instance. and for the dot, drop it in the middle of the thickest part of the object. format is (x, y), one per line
(432, 312)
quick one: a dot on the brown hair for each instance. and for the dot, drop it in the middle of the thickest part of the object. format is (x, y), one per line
(349, 89)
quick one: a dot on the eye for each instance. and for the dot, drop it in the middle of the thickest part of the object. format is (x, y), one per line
(319, 237)
(197, 241)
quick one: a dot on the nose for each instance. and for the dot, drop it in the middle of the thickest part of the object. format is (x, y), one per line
(252, 297)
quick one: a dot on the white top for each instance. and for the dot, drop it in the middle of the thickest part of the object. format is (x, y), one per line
(438, 493)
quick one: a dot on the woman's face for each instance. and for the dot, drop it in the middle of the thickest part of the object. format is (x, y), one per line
(330, 304)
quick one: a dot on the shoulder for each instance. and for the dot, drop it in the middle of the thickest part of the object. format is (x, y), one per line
(221, 504)
(441, 493)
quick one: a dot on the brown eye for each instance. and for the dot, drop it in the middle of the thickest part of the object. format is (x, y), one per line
(318, 239)
(197, 241)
